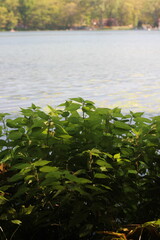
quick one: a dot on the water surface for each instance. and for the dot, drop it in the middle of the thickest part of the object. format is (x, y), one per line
(112, 68)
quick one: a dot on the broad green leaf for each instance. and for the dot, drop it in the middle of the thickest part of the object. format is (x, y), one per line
(106, 187)
(142, 119)
(103, 164)
(18, 222)
(78, 188)
(27, 112)
(12, 211)
(82, 180)
(61, 130)
(79, 172)
(65, 114)
(152, 223)
(103, 111)
(132, 171)
(59, 192)
(103, 169)
(1, 130)
(3, 142)
(11, 123)
(127, 116)
(108, 155)
(89, 102)
(95, 151)
(64, 136)
(100, 175)
(27, 210)
(7, 157)
(40, 163)
(77, 179)
(33, 106)
(137, 114)
(71, 177)
(73, 107)
(120, 131)
(4, 188)
(16, 177)
(94, 188)
(2, 115)
(50, 182)
(73, 120)
(21, 166)
(15, 135)
(16, 123)
(29, 177)
(116, 110)
(2, 198)
(79, 99)
(86, 109)
(121, 125)
(127, 152)
(21, 190)
(54, 174)
(117, 156)
(48, 169)
(117, 115)
(37, 132)
(90, 106)
(38, 123)
(43, 115)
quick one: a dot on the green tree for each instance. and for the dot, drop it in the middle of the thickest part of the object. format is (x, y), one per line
(70, 14)
(25, 9)
(3, 17)
(151, 11)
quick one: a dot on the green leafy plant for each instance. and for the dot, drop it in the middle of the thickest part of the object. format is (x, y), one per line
(70, 172)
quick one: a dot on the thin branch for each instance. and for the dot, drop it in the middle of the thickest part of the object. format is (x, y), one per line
(3, 233)
(14, 232)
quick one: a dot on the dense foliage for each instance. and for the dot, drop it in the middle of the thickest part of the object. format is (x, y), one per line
(69, 172)
(62, 14)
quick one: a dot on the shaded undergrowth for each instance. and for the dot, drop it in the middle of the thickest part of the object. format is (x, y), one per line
(79, 172)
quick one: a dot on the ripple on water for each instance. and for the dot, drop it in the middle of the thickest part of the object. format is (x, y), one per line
(112, 68)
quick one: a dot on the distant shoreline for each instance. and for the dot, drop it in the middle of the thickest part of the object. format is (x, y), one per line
(113, 28)
(76, 29)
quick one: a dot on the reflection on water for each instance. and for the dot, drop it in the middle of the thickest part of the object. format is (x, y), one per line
(112, 68)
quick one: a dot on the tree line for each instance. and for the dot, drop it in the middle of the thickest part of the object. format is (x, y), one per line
(64, 14)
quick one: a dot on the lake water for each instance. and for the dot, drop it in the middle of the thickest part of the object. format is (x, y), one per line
(111, 68)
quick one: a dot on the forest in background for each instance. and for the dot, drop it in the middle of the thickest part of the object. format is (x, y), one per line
(66, 14)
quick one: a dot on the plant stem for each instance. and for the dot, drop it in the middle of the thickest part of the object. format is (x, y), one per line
(3, 233)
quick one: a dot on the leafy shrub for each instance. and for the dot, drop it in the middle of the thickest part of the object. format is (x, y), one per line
(70, 172)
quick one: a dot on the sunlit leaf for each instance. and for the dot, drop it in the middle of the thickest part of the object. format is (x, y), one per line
(103, 164)
(42, 115)
(27, 210)
(79, 99)
(132, 171)
(40, 163)
(18, 222)
(48, 169)
(73, 107)
(100, 175)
